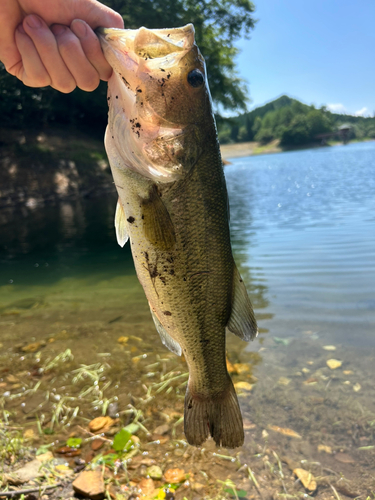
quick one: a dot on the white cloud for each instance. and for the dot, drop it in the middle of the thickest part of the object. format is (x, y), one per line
(362, 112)
(336, 108)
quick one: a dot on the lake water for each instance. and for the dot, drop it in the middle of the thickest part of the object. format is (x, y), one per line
(303, 235)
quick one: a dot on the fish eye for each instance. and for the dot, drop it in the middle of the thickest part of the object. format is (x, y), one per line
(195, 78)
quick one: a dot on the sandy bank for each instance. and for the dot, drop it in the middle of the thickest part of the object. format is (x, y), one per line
(248, 149)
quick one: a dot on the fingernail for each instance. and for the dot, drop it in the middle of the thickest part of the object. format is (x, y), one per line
(79, 28)
(21, 29)
(33, 22)
(57, 29)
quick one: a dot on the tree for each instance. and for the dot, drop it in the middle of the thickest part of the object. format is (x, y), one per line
(218, 24)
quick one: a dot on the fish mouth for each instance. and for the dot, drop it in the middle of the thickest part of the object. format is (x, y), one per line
(144, 50)
(148, 43)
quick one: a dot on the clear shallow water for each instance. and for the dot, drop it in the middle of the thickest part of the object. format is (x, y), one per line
(303, 234)
(306, 222)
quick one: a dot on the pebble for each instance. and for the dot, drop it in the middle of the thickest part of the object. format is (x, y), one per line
(44, 457)
(96, 444)
(175, 476)
(198, 487)
(154, 472)
(100, 422)
(306, 478)
(334, 363)
(90, 484)
(344, 458)
(243, 385)
(147, 486)
(326, 449)
(162, 429)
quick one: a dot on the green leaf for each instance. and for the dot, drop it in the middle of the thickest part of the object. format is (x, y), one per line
(43, 449)
(121, 441)
(48, 430)
(74, 442)
(241, 493)
(108, 459)
(132, 428)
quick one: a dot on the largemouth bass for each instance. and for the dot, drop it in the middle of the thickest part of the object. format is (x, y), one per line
(164, 154)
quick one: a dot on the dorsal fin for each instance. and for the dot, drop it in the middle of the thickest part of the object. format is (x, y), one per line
(242, 321)
(166, 339)
(120, 225)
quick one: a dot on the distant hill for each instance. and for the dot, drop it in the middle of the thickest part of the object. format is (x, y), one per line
(283, 101)
(294, 123)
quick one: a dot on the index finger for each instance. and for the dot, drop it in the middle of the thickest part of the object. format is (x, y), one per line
(91, 47)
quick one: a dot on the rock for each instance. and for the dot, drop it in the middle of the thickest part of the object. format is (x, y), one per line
(162, 429)
(329, 348)
(68, 451)
(230, 367)
(30, 471)
(100, 423)
(243, 385)
(284, 381)
(306, 478)
(44, 457)
(285, 431)
(64, 469)
(112, 410)
(159, 437)
(96, 444)
(334, 363)
(31, 347)
(174, 476)
(326, 449)
(344, 458)
(90, 484)
(147, 486)
(29, 434)
(154, 472)
(198, 487)
(241, 368)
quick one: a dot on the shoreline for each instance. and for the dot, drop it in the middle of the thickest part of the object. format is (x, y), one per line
(242, 149)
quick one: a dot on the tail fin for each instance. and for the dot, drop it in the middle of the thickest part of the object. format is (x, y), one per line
(219, 417)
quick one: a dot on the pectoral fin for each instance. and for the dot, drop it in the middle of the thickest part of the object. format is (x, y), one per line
(120, 225)
(165, 337)
(242, 321)
(157, 224)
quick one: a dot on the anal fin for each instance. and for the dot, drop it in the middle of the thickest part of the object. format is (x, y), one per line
(242, 321)
(120, 225)
(166, 339)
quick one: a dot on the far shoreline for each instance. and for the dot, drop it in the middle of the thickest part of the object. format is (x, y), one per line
(242, 149)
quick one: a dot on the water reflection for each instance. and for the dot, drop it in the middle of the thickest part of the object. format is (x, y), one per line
(243, 236)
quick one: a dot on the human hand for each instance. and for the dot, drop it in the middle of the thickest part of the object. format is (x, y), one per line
(53, 43)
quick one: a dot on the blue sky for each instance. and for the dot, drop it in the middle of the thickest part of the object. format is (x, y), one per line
(321, 52)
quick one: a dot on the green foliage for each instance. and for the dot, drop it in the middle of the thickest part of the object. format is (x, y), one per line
(294, 124)
(218, 25)
(74, 442)
(122, 441)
